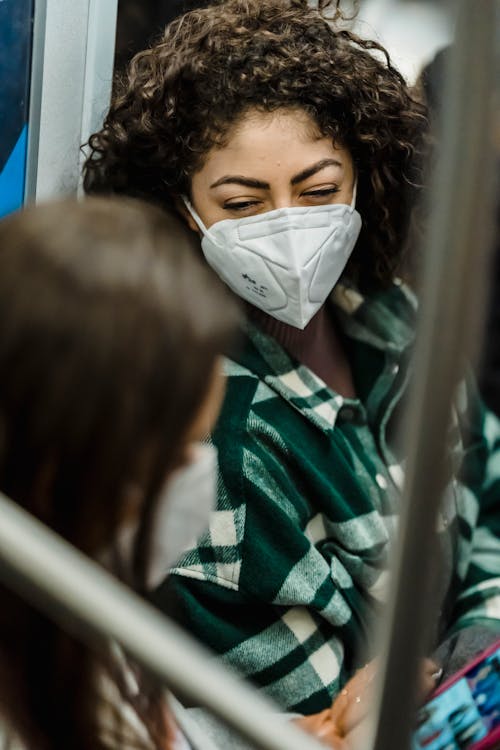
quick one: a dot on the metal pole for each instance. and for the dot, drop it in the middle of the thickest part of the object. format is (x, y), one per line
(89, 602)
(453, 295)
(36, 85)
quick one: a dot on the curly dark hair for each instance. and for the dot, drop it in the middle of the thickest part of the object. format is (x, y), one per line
(183, 95)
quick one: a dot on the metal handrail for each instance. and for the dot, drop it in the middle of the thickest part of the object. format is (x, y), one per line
(87, 601)
(451, 317)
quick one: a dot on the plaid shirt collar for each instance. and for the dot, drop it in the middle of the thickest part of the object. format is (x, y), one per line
(385, 321)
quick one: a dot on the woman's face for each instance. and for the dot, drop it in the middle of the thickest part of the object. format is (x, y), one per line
(199, 429)
(271, 160)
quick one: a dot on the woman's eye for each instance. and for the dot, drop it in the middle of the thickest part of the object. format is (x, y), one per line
(321, 193)
(241, 206)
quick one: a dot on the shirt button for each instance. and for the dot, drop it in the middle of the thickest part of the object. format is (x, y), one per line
(394, 369)
(381, 481)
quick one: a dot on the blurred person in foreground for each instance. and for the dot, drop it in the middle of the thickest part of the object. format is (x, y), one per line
(109, 381)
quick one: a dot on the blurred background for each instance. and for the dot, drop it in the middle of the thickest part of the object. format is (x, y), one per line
(412, 30)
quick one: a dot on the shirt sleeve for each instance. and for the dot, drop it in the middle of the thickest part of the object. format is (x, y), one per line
(478, 600)
(289, 656)
(259, 593)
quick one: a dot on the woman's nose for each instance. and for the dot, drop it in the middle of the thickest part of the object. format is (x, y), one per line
(283, 200)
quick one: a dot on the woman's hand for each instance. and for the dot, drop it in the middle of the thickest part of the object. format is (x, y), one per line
(324, 729)
(343, 724)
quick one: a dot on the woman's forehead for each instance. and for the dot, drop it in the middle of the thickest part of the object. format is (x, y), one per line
(265, 141)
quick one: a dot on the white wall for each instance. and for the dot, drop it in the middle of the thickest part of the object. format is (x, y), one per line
(412, 30)
(75, 86)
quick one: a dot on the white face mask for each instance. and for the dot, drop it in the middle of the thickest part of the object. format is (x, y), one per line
(285, 262)
(182, 514)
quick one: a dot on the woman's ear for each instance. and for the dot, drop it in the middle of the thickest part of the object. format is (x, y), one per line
(182, 210)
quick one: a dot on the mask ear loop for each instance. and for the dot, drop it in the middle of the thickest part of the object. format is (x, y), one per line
(201, 226)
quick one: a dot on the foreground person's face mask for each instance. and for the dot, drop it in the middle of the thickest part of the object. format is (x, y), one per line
(285, 262)
(182, 514)
(183, 511)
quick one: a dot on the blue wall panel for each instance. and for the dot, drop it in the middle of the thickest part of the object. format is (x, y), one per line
(13, 175)
(16, 29)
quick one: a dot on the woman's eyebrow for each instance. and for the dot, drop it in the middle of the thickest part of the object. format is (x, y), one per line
(313, 169)
(240, 180)
(252, 182)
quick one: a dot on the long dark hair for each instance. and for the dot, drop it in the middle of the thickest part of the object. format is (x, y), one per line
(109, 330)
(183, 96)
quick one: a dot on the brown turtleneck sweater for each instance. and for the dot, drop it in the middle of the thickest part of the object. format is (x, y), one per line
(319, 347)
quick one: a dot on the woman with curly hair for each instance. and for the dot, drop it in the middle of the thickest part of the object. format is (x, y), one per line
(296, 151)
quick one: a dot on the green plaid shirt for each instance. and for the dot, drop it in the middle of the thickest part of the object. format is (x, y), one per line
(285, 583)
